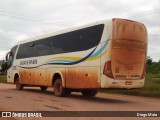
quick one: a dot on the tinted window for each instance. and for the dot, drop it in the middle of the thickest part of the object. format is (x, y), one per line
(78, 40)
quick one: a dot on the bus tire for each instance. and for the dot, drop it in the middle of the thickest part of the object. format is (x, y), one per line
(89, 93)
(43, 88)
(18, 85)
(59, 91)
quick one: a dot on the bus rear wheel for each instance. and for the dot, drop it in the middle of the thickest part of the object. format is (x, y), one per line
(19, 86)
(59, 91)
(89, 93)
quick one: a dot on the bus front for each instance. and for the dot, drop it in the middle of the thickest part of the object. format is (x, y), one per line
(127, 64)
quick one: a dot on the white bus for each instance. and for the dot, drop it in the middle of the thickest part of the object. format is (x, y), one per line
(108, 54)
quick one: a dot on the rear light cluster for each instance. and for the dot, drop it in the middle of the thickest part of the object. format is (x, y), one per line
(107, 69)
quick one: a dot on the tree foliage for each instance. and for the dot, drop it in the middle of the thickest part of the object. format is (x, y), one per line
(153, 67)
(4, 67)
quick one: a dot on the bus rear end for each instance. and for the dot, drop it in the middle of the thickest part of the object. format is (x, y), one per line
(127, 65)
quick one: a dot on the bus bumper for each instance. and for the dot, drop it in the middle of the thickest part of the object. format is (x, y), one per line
(107, 82)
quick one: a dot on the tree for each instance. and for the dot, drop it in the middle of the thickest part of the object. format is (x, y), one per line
(4, 67)
(149, 60)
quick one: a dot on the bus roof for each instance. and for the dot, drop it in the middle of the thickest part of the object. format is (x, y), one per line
(52, 33)
(38, 37)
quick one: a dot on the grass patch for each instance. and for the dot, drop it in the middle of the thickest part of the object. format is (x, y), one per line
(151, 88)
(3, 79)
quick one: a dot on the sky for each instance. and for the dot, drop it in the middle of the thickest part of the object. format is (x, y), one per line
(22, 19)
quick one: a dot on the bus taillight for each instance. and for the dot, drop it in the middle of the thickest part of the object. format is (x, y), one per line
(144, 71)
(107, 69)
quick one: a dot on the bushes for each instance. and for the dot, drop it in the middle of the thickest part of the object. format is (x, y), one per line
(153, 67)
(3, 79)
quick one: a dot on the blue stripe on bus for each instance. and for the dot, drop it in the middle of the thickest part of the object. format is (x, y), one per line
(72, 62)
(75, 62)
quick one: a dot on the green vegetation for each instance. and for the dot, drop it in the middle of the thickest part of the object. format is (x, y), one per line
(3, 68)
(3, 79)
(153, 67)
(152, 83)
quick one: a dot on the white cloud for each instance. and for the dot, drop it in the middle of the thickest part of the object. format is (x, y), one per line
(19, 38)
(68, 13)
(3, 54)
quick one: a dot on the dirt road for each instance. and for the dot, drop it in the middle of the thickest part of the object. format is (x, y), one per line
(32, 99)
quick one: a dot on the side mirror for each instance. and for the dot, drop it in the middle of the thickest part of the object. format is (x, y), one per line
(8, 60)
(8, 55)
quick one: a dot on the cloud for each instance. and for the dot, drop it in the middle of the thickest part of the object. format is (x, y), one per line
(9, 39)
(30, 18)
(3, 54)
(5, 41)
